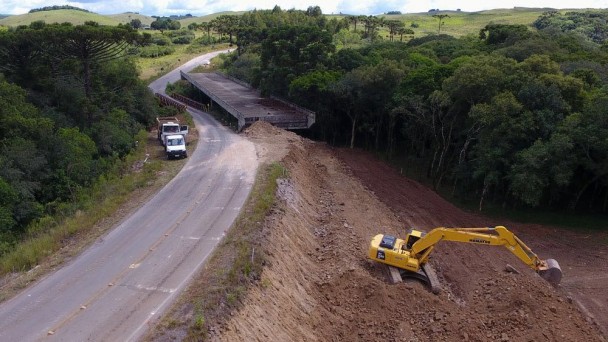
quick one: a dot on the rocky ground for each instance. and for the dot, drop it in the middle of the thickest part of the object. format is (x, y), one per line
(318, 284)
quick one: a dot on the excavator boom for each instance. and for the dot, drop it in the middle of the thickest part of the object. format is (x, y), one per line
(412, 253)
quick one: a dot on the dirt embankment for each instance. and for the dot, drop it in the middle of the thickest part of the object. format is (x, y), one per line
(318, 284)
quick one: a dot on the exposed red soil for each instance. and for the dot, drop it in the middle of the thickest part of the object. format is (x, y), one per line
(318, 284)
(582, 257)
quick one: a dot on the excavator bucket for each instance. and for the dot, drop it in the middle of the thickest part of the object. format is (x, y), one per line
(553, 273)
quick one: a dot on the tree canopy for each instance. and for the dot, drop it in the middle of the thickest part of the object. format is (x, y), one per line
(512, 116)
(71, 104)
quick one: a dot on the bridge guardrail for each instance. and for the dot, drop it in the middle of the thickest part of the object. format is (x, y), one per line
(167, 101)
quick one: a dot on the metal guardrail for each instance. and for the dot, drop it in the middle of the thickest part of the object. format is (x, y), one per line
(167, 101)
(190, 102)
(283, 123)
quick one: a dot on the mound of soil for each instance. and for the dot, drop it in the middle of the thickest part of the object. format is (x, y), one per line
(318, 284)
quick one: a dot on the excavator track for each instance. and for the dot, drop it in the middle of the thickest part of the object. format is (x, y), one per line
(433, 281)
(427, 275)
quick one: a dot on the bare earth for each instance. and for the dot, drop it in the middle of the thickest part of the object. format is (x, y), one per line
(318, 284)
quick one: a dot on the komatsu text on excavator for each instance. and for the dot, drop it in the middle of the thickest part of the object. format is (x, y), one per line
(410, 255)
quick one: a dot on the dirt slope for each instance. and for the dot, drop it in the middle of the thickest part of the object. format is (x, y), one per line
(582, 257)
(319, 286)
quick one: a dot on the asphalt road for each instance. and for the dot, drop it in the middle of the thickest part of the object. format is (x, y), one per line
(113, 289)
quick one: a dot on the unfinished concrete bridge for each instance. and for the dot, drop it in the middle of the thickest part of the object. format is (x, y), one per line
(247, 105)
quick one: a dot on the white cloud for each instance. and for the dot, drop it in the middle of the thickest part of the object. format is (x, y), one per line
(111, 6)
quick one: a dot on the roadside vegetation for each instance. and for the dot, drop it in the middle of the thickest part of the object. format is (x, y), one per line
(89, 206)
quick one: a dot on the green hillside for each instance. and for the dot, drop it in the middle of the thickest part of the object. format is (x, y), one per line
(59, 16)
(462, 23)
(79, 17)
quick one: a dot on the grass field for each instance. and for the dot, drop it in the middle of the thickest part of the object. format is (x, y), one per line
(462, 23)
(152, 68)
(58, 16)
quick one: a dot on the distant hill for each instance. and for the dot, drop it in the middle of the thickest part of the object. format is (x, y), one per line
(79, 17)
(462, 23)
(59, 16)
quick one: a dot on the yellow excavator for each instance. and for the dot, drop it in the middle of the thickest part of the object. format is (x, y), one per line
(410, 255)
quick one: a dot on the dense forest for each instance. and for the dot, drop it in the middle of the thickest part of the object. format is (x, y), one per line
(71, 105)
(513, 115)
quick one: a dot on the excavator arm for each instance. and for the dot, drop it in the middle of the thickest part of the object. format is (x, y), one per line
(412, 253)
(497, 236)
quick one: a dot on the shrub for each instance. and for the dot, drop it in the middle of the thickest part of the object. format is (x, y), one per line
(153, 51)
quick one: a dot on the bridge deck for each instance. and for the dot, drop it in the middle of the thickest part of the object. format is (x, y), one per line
(247, 105)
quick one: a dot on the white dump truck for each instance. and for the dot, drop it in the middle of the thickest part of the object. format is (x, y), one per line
(169, 125)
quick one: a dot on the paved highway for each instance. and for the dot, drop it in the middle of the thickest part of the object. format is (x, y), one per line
(129, 276)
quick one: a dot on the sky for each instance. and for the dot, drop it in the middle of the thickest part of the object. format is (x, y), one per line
(203, 7)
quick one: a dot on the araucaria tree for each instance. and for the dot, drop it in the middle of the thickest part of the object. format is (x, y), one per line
(90, 45)
(440, 17)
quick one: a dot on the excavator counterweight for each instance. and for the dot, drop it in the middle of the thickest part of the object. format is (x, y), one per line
(410, 255)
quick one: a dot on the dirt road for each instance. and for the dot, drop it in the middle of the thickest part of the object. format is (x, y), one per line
(319, 286)
(159, 85)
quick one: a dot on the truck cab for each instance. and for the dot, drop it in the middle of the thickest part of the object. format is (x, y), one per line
(175, 146)
(171, 128)
(169, 125)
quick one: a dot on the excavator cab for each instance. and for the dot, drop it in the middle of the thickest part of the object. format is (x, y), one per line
(411, 238)
(388, 241)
